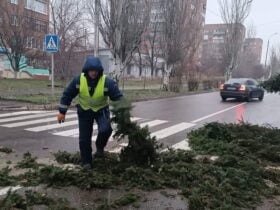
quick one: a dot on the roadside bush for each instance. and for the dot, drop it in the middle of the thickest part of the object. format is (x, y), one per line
(207, 84)
(272, 85)
(193, 85)
(211, 84)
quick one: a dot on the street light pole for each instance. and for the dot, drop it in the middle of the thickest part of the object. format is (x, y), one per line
(96, 28)
(268, 43)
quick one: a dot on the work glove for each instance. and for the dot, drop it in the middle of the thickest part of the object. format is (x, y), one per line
(61, 118)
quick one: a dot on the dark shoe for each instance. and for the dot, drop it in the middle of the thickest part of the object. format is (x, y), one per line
(87, 166)
(99, 154)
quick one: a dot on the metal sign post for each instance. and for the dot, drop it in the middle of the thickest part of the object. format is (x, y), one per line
(52, 59)
(52, 46)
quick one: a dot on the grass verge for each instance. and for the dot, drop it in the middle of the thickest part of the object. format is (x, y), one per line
(39, 91)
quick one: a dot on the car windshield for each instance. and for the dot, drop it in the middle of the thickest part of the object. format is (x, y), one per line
(236, 81)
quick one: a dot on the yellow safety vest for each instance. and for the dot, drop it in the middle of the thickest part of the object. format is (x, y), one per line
(98, 100)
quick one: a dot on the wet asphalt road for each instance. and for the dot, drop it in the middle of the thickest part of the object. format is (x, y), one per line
(193, 111)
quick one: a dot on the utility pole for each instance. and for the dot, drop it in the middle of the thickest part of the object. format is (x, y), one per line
(96, 28)
(118, 39)
(268, 44)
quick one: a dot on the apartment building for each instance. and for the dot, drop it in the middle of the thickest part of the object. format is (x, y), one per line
(254, 47)
(214, 38)
(28, 21)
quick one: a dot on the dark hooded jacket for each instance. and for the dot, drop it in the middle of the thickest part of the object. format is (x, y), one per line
(92, 63)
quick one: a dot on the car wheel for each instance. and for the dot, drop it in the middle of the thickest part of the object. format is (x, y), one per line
(261, 97)
(224, 98)
(249, 98)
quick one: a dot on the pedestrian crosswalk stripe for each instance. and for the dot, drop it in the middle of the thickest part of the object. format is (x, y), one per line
(172, 130)
(182, 145)
(26, 117)
(71, 133)
(33, 122)
(52, 126)
(152, 123)
(19, 113)
(5, 190)
(31, 118)
(133, 119)
(67, 133)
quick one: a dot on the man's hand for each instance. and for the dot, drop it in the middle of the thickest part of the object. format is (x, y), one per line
(61, 118)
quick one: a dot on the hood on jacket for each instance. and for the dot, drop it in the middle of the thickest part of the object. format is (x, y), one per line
(93, 63)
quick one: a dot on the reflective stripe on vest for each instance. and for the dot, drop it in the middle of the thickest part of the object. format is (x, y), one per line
(95, 102)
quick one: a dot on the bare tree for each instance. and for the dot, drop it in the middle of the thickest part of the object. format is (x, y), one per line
(274, 66)
(181, 39)
(152, 38)
(122, 25)
(19, 34)
(234, 13)
(67, 23)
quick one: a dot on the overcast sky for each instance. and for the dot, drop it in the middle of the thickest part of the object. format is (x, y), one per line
(265, 14)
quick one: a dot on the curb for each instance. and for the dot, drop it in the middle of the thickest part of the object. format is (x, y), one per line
(28, 107)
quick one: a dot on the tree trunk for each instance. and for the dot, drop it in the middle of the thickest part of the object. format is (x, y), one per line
(16, 74)
(166, 76)
(152, 69)
(140, 63)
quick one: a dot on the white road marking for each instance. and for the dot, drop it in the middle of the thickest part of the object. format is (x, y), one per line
(19, 124)
(5, 190)
(26, 117)
(182, 145)
(217, 113)
(172, 130)
(133, 119)
(52, 126)
(152, 123)
(20, 113)
(67, 133)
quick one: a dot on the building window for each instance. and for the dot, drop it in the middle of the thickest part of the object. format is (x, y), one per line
(14, 1)
(30, 42)
(14, 20)
(39, 6)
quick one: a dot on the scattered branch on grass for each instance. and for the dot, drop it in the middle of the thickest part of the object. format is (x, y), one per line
(6, 150)
(28, 161)
(14, 200)
(65, 157)
(6, 179)
(245, 173)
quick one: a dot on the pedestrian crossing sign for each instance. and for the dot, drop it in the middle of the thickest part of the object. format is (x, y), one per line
(52, 43)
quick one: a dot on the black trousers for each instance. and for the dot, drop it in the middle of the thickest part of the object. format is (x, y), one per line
(86, 121)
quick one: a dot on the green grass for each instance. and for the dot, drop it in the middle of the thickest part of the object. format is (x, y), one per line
(39, 91)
